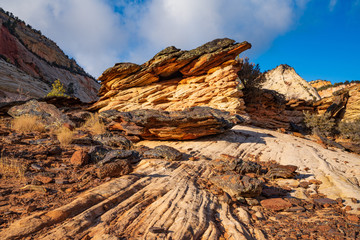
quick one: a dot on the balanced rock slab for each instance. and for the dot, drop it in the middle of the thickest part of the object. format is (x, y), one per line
(174, 80)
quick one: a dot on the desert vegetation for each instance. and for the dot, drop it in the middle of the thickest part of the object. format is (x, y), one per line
(249, 73)
(27, 124)
(58, 90)
(94, 125)
(350, 130)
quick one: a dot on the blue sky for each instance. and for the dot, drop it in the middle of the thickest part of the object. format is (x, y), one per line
(319, 38)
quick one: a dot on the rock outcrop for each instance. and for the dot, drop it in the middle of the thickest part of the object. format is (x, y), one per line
(174, 80)
(30, 63)
(269, 109)
(284, 80)
(191, 123)
(319, 83)
(327, 89)
(343, 105)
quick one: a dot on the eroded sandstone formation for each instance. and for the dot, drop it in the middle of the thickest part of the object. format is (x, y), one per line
(284, 80)
(175, 80)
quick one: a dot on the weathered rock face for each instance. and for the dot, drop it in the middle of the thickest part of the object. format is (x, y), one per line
(269, 109)
(286, 81)
(174, 80)
(162, 125)
(30, 62)
(344, 105)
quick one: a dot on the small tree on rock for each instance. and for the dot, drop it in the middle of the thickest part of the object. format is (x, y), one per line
(57, 90)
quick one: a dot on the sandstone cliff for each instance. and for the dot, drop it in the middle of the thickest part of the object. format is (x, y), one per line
(286, 81)
(344, 104)
(174, 80)
(326, 89)
(38, 61)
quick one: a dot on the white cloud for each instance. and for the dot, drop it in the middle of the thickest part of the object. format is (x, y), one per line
(97, 37)
(332, 5)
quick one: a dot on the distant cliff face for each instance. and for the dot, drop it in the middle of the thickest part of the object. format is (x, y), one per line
(30, 63)
(326, 88)
(283, 79)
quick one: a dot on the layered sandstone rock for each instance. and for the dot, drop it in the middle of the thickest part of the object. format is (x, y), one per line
(284, 80)
(30, 63)
(174, 80)
(269, 109)
(343, 105)
(153, 124)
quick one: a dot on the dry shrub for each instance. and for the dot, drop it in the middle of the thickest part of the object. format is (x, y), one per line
(350, 130)
(65, 136)
(94, 124)
(324, 123)
(27, 123)
(10, 167)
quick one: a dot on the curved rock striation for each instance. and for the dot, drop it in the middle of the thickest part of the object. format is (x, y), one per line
(174, 80)
(175, 199)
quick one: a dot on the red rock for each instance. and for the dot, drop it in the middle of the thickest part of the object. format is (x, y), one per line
(314, 181)
(79, 158)
(353, 218)
(275, 204)
(323, 201)
(44, 179)
(348, 208)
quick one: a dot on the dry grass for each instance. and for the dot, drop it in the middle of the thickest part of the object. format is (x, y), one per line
(26, 123)
(10, 167)
(65, 136)
(94, 125)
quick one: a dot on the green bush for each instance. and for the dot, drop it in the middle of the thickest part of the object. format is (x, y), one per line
(58, 90)
(350, 130)
(324, 123)
(249, 73)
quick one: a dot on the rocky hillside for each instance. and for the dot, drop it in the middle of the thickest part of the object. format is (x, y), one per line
(30, 63)
(175, 79)
(284, 80)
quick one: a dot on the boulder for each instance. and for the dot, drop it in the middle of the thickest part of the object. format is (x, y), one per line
(174, 80)
(238, 186)
(189, 124)
(46, 112)
(162, 151)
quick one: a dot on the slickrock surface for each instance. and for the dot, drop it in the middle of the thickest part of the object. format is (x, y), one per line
(183, 199)
(30, 62)
(191, 123)
(286, 81)
(330, 89)
(339, 171)
(174, 80)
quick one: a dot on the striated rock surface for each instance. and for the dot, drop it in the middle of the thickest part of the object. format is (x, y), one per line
(284, 80)
(174, 80)
(191, 123)
(30, 63)
(163, 199)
